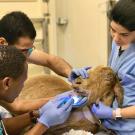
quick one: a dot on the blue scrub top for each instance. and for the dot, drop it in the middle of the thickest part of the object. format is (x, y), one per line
(124, 66)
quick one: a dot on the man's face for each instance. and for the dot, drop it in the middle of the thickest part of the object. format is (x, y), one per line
(24, 44)
(121, 35)
(16, 86)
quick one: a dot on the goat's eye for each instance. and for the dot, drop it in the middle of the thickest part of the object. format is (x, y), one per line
(108, 77)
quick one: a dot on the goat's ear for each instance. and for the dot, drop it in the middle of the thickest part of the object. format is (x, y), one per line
(118, 90)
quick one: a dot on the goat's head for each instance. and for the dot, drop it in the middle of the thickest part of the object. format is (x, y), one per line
(102, 84)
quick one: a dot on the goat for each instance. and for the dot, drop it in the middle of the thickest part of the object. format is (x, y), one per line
(102, 85)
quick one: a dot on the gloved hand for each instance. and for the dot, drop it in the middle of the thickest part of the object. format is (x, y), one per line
(59, 97)
(78, 72)
(102, 111)
(63, 96)
(55, 114)
(78, 101)
(82, 101)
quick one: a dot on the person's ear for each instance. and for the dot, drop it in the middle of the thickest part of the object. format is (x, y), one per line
(7, 82)
(3, 41)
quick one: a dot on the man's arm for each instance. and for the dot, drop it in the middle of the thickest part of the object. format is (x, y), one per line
(53, 114)
(57, 64)
(38, 129)
(15, 125)
(20, 106)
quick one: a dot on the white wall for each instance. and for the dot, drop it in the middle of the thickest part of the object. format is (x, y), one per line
(84, 40)
(34, 9)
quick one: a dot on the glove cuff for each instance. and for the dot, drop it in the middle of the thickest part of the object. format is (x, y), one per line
(43, 122)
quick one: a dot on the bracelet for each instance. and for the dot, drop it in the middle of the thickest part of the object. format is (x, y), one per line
(117, 113)
(33, 117)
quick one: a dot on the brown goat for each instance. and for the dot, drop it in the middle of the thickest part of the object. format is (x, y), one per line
(102, 85)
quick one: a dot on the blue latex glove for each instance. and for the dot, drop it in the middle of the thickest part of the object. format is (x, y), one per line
(102, 111)
(81, 102)
(59, 97)
(78, 72)
(54, 114)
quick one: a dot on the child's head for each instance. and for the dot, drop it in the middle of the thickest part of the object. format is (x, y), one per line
(122, 18)
(17, 29)
(13, 72)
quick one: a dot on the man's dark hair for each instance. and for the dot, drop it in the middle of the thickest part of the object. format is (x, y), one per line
(15, 25)
(123, 13)
(12, 62)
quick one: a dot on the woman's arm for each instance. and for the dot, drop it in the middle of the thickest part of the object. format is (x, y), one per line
(20, 106)
(128, 112)
(105, 112)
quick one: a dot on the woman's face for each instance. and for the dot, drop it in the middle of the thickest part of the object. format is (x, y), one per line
(121, 35)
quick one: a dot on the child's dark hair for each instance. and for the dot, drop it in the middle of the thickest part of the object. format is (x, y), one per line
(15, 25)
(123, 13)
(12, 62)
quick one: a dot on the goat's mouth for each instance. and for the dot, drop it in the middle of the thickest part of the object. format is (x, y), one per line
(82, 92)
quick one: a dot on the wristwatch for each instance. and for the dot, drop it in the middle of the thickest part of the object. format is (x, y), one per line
(34, 115)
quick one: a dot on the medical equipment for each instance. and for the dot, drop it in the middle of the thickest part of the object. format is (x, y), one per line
(77, 101)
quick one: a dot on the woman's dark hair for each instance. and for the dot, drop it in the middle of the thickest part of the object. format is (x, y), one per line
(12, 62)
(123, 13)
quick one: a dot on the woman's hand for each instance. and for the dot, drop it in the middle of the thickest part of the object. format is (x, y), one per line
(102, 111)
